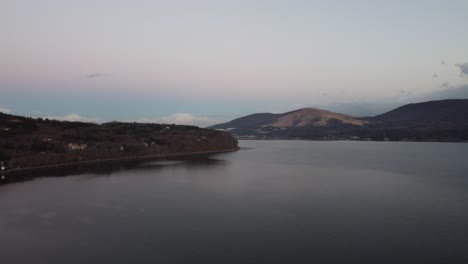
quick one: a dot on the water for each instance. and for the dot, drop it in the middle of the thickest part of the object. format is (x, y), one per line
(271, 202)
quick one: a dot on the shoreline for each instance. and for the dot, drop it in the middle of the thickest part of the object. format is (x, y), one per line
(349, 140)
(8, 174)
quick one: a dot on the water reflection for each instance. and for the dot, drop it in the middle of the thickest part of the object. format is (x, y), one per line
(110, 168)
(279, 202)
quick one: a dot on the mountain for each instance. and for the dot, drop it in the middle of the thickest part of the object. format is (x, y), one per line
(443, 120)
(445, 111)
(250, 122)
(299, 118)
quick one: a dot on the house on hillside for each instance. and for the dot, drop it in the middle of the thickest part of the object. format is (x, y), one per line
(73, 146)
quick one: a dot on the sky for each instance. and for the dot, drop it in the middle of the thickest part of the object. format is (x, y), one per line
(204, 62)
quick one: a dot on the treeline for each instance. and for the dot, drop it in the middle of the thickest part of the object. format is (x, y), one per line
(371, 131)
(26, 142)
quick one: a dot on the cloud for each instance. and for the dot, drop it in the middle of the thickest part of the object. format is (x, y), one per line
(185, 119)
(74, 118)
(94, 75)
(5, 110)
(463, 68)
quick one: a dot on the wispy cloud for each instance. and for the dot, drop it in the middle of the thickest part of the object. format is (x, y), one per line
(5, 110)
(463, 69)
(74, 118)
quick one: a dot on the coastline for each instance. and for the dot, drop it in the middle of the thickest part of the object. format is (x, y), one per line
(11, 174)
(353, 140)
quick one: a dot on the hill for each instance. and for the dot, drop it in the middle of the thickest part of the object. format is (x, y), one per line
(250, 122)
(299, 118)
(315, 117)
(443, 120)
(28, 142)
(450, 110)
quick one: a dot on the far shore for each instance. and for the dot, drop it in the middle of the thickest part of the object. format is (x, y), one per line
(353, 140)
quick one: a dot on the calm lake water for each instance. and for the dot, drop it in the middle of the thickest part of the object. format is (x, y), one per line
(271, 202)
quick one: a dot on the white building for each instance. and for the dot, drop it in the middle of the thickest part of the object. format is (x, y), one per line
(72, 146)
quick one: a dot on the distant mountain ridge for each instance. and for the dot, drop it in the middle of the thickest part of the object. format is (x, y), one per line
(298, 118)
(442, 120)
(250, 122)
(314, 117)
(433, 111)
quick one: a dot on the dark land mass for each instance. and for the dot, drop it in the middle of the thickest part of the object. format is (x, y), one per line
(28, 144)
(443, 120)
